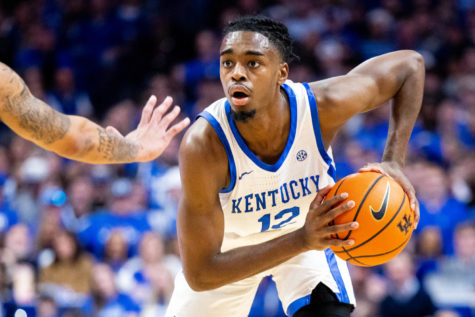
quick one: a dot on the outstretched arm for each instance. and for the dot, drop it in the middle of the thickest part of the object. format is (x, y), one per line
(79, 138)
(398, 76)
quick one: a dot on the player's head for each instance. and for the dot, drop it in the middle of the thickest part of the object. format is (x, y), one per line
(255, 53)
(276, 32)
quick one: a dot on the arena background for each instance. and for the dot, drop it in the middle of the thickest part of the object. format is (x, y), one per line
(82, 240)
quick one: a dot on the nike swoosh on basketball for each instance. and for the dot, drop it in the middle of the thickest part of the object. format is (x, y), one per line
(245, 173)
(379, 214)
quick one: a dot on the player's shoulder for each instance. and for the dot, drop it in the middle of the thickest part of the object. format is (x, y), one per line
(202, 143)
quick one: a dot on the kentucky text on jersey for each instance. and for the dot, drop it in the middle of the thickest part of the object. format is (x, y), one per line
(291, 190)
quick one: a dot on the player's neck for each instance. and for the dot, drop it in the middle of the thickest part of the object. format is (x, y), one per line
(266, 134)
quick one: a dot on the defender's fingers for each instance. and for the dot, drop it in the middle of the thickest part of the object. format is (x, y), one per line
(166, 120)
(148, 110)
(177, 128)
(159, 111)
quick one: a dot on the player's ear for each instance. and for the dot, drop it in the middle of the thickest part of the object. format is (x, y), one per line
(283, 72)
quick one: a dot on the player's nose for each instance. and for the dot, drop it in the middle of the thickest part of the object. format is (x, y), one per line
(239, 72)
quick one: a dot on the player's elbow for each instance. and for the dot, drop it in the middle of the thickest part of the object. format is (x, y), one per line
(200, 281)
(415, 62)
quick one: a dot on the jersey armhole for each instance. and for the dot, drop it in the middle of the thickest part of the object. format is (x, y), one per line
(312, 101)
(222, 137)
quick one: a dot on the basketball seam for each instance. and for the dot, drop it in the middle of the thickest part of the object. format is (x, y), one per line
(381, 230)
(375, 255)
(362, 203)
(351, 257)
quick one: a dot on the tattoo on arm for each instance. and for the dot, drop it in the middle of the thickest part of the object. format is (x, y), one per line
(114, 148)
(42, 122)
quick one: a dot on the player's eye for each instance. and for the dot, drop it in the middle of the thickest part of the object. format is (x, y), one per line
(253, 64)
(227, 63)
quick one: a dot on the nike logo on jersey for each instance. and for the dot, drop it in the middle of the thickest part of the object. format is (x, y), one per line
(379, 214)
(245, 173)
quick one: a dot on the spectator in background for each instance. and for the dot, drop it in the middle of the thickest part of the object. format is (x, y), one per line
(116, 250)
(437, 205)
(80, 202)
(17, 247)
(204, 66)
(46, 307)
(108, 301)
(8, 217)
(23, 291)
(68, 278)
(406, 296)
(121, 215)
(428, 251)
(65, 98)
(372, 289)
(453, 284)
(148, 278)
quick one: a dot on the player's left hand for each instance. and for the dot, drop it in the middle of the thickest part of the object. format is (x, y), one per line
(153, 134)
(394, 170)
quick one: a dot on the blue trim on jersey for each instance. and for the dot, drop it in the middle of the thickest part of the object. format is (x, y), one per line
(232, 166)
(343, 294)
(290, 139)
(297, 304)
(316, 129)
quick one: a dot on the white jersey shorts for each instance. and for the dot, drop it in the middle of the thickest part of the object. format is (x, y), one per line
(295, 280)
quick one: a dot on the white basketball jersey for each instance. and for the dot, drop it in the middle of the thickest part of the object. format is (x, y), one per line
(265, 201)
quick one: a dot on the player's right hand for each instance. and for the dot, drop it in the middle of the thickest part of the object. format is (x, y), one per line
(317, 230)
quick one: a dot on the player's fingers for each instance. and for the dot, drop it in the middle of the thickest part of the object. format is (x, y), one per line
(329, 230)
(317, 201)
(159, 111)
(335, 212)
(148, 110)
(330, 203)
(177, 128)
(417, 215)
(372, 168)
(340, 243)
(172, 115)
(113, 131)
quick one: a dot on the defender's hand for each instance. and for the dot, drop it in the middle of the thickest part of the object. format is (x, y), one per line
(317, 230)
(394, 170)
(152, 135)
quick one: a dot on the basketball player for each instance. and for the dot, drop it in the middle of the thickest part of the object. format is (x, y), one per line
(257, 165)
(78, 138)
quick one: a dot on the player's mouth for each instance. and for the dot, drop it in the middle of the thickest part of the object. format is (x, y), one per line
(239, 95)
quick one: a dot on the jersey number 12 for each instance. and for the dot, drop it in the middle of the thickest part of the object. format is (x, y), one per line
(286, 215)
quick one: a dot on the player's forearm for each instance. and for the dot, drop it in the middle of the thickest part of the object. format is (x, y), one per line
(240, 263)
(405, 109)
(70, 136)
(91, 143)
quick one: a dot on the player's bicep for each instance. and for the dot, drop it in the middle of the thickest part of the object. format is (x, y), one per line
(366, 87)
(200, 217)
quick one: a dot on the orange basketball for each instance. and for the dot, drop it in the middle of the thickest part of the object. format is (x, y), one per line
(383, 212)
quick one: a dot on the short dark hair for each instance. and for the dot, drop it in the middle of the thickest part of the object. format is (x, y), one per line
(276, 32)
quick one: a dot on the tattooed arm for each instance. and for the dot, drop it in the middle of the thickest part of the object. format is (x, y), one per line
(78, 138)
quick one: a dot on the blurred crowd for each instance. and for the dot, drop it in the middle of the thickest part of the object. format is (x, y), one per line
(82, 240)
